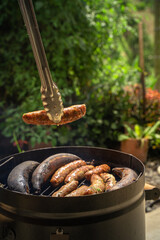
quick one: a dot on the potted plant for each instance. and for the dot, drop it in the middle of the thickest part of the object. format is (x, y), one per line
(136, 140)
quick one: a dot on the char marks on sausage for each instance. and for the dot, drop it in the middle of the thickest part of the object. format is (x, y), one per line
(97, 170)
(66, 189)
(81, 191)
(109, 180)
(59, 176)
(127, 176)
(70, 114)
(49, 166)
(78, 174)
(97, 184)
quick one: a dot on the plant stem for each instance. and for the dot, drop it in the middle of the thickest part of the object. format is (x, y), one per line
(17, 144)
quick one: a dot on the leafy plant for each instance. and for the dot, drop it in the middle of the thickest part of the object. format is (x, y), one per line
(140, 132)
(135, 108)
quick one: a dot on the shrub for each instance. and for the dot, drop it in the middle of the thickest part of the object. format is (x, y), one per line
(135, 108)
(87, 61)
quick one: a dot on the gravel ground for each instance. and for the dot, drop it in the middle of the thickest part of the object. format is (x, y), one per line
(152, 176)
(152, 172)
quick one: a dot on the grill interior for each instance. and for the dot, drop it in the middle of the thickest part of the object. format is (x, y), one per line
(73, 212)
(47, 188)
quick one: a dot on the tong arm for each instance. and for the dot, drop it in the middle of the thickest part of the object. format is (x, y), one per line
(50, 95)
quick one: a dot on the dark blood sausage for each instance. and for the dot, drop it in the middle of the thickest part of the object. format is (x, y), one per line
(59, 176)
(81, 191)
(18, 178)
(49, 166)
(66, 189)
(127, 176)
(97, 170)
(97, 184)
(78, 174)
(108, 179)
(70, 114)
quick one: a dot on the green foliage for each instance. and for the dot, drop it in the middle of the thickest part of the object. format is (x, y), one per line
(140, 132)
(141, 5)
(134, 113)
(135, 117)
(88, 62)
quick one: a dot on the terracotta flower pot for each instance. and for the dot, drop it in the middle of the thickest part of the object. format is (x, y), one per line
(136, 147)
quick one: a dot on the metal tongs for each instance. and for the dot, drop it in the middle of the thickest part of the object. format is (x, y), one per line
(50, 95)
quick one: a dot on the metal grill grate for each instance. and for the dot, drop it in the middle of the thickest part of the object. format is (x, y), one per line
(47, 189)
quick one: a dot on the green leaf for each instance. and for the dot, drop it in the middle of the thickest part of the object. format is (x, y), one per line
(130, 131)
(146, 130)
(153, 129)
(138, 131)
(123, 137)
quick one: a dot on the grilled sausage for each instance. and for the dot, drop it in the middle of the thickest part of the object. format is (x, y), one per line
(18, 178)
(66, 189)
(97, 184)
(97, 170)
(78, 174)
(59, 176)
(108, 179)
(81, 191)
(127, 176)
(49, 166)
(70, 114)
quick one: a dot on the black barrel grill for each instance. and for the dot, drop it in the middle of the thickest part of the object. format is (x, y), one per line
(112, 215)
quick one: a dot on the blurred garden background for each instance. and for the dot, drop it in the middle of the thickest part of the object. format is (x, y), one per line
(104, 53)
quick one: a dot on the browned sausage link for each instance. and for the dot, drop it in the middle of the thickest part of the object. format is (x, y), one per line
(70, 114)
(97, 184)
(108, 179)
(97, 170)
(78, 174)
(81, 191)
(66, 189)
(127, 176)
(59, 176)
(49, 166)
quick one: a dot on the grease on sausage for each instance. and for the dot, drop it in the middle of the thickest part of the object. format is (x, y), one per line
(109, 180)
(59, 176)
(127, 176)
(70, 114)
(78, 174)
(97, 170)
(49, 166)
(97, 184)
(81, 191)
(66, 189)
